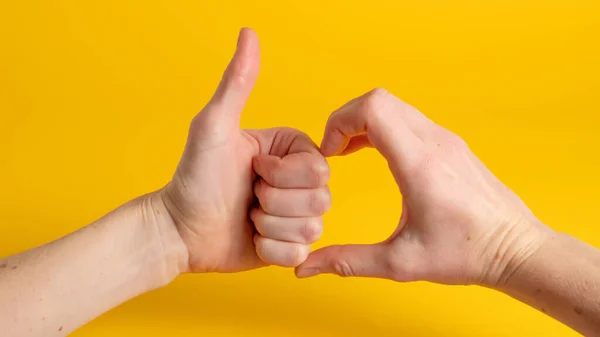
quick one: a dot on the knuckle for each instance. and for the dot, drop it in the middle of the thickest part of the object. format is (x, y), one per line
(312, 229)
(205, 126)
(374, 105)
(374, 99)
(320, 201)
(377, 93)
(288, 131)
(259, 189)
(238, 79)
(343, 268)
(452, 143)
(456, 143)
(320, 172)
(422, 170)
(297, 255)
(334, 119)
(238, 73)
(460, 144)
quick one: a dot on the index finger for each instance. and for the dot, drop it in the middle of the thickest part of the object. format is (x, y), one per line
(380, 116)
(289, 159)
(296, 170)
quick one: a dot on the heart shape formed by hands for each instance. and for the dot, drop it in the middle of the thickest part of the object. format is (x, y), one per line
(459, 223)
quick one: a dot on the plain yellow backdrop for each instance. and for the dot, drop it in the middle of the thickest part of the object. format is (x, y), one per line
(96, 97)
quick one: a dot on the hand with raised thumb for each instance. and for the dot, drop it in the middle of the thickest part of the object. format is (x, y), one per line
(459, 224)
(242, 199)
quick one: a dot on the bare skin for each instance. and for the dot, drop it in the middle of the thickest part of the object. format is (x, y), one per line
(200, 222)
(459, 224)
(244, 199)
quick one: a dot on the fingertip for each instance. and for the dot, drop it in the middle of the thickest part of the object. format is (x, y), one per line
(248, 50)
(237, 82)
(245, 36)
(254, 214)
(247, 31)
(280, 253)
(264, 165)
(328, 149)
(299, 253)
(256, 164)
(333, 144)
(267, 167)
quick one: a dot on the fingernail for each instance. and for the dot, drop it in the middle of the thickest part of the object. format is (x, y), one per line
(308, 272)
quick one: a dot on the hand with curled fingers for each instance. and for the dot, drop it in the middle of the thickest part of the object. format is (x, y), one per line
(293, 196)
(223, 172)
(459, 224)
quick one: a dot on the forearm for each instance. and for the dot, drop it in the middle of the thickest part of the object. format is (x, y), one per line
(55, 288)
(561, 279)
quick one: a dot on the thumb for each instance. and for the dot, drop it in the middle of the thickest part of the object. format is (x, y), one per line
(237, 83)
(347, 260)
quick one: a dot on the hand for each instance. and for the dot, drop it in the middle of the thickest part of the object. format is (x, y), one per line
(459, 224)
(224, 168)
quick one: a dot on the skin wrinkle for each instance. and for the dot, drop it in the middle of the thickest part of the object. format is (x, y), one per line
(492, 245)
(512, 269)
(219, 181)
(201, 220)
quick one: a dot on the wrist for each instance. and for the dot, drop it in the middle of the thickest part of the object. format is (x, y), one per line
(522, 274)
(561, 279)
(162, 234)
(510, 247)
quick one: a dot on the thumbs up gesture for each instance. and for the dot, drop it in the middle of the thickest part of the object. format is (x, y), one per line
(242, 199)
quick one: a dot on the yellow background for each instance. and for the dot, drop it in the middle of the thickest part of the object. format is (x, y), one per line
(96, 97)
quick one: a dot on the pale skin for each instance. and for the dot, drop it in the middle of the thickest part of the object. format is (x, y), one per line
(459, 224)
(245, 199)
(205, 220)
